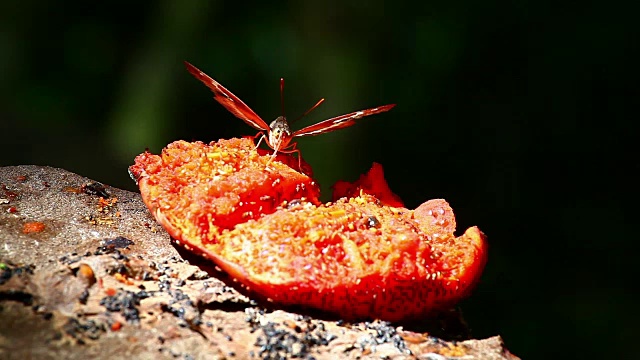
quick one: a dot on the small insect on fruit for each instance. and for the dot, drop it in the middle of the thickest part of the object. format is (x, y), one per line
(279, 134)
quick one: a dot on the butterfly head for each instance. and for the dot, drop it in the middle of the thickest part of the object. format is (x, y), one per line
(279, 133)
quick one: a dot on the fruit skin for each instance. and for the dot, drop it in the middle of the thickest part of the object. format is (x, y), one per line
(357, 257)
(372, 183)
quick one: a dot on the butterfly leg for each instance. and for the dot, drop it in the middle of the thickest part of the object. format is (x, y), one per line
(292, 150)
(262, 136)
(273, 156)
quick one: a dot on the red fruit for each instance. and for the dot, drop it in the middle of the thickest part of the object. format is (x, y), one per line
(358, 257)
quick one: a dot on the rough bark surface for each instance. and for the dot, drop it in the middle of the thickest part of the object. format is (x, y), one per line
(85, 271)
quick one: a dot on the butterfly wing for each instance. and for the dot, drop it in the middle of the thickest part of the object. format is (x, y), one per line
(228, 100)
(340, 122)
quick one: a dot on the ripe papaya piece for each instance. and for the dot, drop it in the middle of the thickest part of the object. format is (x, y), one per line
(358, 257)
(355, 258)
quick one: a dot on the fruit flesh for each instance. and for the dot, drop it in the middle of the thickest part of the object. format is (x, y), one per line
(357, 257)
(202, 190)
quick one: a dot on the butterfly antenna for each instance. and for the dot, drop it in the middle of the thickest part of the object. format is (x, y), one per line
(282, 96)
(310, 110)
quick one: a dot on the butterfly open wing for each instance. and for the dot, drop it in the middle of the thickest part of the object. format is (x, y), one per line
(340, 122)
(228, 100)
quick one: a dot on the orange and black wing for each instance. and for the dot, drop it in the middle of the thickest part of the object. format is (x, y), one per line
(340, 122)
(228, 100)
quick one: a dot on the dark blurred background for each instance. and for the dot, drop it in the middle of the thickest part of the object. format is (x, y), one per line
(521, 114)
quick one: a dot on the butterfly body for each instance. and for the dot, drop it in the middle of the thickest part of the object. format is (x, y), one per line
(279, 135)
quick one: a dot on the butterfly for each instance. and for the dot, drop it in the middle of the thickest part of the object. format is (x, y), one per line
(278, 133)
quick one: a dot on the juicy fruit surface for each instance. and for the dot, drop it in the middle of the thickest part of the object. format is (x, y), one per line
(354, 257)
(201, 189)
(358, 257)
